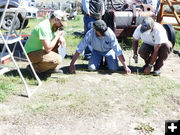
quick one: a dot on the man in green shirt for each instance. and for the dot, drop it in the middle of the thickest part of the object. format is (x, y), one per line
(44, 41)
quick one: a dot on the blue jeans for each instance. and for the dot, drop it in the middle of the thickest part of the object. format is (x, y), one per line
(88, 24)
(110, 56)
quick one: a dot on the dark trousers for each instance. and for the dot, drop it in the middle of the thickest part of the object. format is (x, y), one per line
(146, 51)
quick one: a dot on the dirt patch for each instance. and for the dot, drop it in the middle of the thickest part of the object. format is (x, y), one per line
(96, 103)
(171, 67)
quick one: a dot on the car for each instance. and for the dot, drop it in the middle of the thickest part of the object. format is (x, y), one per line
(27, 4)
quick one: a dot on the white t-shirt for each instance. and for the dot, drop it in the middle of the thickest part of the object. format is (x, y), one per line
(157, 36)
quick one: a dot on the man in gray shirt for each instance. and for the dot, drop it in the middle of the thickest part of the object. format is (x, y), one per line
(103, 43)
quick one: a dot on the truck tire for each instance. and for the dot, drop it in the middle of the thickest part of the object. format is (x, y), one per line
(21, 21)
(170, 33)
(8, 21)
(25, 23)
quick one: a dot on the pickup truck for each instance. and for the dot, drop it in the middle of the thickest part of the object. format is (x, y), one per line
(32, 13)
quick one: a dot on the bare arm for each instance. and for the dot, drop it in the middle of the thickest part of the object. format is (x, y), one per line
(71, 68)
(122, 60)
(49, 45)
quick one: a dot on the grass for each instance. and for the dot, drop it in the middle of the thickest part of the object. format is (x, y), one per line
(75, 25)
(5, 90)
(37, 108)
(93, 99)
(32, 23)
(146, 129)
(177, 45)
(73, 40)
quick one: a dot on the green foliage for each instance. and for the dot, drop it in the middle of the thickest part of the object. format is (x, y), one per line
(125, 42)
(146, 129)
(177, 39)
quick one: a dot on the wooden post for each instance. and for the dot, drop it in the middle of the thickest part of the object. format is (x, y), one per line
(173, 11)
(161, 12)
(76, 5)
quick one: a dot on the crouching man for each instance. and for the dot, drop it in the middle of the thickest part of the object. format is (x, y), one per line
(104, 43)
(43, 43)
(156, 46)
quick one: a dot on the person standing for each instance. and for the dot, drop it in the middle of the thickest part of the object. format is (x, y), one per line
(92, 10)
(155, 48)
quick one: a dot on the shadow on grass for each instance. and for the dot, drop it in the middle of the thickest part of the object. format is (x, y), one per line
(103, 70)
(79, 67)
(68, 56)
(27, 74)
(79, 34)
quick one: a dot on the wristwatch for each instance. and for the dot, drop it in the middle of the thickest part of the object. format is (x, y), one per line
(150, 65)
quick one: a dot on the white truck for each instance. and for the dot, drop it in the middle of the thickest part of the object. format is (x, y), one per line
(32, 13)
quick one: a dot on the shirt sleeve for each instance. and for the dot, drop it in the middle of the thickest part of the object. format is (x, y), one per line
(117, 48)
(115, 45)
(43, 34)
(137, 33)
(85, 42)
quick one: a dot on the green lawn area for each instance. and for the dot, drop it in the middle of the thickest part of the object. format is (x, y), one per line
(97, 103)
(72, 41)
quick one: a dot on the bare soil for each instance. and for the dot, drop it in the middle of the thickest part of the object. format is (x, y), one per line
(96, 103)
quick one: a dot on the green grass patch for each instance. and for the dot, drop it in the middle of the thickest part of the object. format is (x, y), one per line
(5, 90)
(72, 42)
(75, 25)
(37, 108)
(177, 44)
(145, 129)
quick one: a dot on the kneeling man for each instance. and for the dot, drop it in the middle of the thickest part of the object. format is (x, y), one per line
(104, 43)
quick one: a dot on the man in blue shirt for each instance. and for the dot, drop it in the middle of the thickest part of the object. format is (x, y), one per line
(103, 43)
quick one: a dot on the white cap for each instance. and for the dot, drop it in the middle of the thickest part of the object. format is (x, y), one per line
(60, 15)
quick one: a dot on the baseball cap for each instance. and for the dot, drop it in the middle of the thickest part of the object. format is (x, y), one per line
(61, 16)
(147, 24)
(100, 26)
